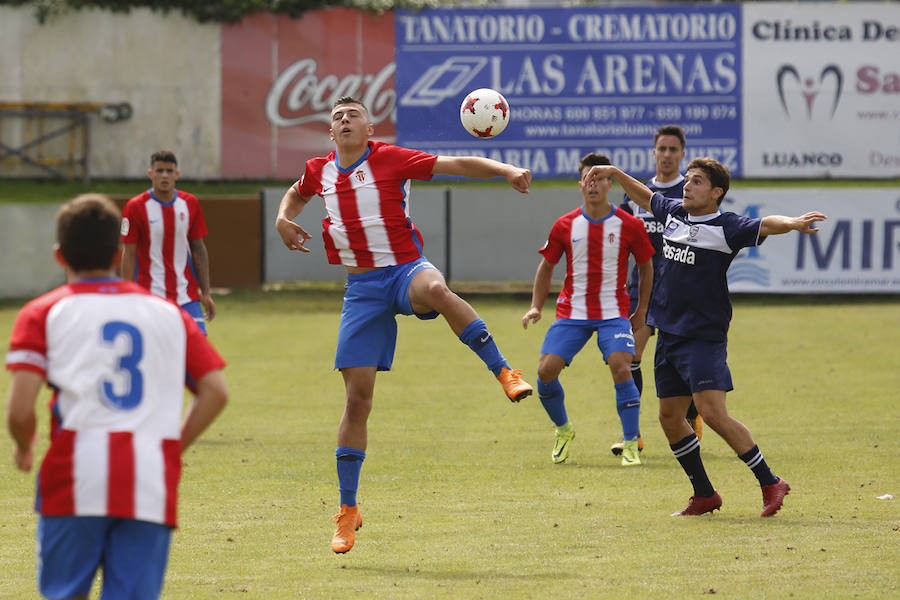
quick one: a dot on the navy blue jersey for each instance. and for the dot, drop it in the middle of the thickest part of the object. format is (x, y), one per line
(670, 189)
(690, 294)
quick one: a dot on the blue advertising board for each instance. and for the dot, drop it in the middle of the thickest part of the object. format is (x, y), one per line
(578, 80)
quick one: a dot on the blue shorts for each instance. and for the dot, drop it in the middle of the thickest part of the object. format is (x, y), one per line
(195, 309)
(685, 365)
(133, 554)
(367, 335)
(566, 337)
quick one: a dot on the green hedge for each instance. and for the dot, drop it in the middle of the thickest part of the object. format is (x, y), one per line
(206, 11)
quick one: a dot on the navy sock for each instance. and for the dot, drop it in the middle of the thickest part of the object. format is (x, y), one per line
(554, 400)
(476, 337)
(754, 459)
(628, 403)
(349, 465)
(687, 451)
(637, 376)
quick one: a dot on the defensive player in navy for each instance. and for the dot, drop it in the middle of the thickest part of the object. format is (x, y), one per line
(691, 310)
(668, 152)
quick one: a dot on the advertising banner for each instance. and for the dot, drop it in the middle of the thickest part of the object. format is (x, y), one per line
(821, 90)
(857, 250)
(578, 80)
(280, 77)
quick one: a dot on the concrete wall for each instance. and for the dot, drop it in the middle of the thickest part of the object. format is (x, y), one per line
(167, 67)
(27, 235)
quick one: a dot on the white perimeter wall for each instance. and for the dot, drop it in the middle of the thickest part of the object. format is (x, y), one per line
(168, 67)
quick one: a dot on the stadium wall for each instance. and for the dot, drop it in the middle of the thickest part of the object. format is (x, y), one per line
(491, 234)
(166, 66)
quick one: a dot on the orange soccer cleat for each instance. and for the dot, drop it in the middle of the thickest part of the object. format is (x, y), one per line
(348, 521)
(513, 385)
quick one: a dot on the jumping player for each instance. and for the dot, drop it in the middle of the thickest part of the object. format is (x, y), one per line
(116, 358)
(365, 185)
(691, 310)
(163, 231)
(668, 151)
(597, 239)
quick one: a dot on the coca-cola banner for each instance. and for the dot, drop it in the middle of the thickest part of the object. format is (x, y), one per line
(280, 77)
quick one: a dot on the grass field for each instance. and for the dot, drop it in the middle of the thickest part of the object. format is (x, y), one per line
(458, 493)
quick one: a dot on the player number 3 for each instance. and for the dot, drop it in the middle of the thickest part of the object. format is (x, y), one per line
(128, 366)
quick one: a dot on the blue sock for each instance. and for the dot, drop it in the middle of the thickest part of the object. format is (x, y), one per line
(553, 397)
(349, 465)
(476, 337)
(628, 403)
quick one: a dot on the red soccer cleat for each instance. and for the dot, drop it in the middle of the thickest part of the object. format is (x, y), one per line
(773, 497)
(699, 505)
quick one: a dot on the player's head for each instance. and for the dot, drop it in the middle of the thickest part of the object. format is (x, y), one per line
(350, 122)
(87, 232)
(706, 179)
(598, 187)
(163, 171)
(668, 150)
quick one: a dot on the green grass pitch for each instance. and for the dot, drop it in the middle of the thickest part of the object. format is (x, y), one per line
(458, 492)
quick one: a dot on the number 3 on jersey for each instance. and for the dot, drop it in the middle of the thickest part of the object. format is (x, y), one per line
(127, 367)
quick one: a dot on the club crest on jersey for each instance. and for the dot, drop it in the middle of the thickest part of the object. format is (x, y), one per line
(360, 176)
(611, 239)
(692, 233)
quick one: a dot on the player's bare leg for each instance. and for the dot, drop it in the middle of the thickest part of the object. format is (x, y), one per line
(711, 406)
(429, 292)
(359, 383)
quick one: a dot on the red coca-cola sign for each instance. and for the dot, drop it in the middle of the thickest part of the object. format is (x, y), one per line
(280, 77)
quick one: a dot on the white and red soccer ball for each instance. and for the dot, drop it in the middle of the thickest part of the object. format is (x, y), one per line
(484, 113)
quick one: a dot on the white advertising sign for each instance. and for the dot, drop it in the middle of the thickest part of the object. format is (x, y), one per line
(857, 249)
(821, 90)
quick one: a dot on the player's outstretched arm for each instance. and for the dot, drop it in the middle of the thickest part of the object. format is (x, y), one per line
(20, 416)
(477, 166)
(539, 293)
(212, 394)
(636, 190)
(293, 236)
(776, 224)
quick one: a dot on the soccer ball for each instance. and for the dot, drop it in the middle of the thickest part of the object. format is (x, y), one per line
(484, 113)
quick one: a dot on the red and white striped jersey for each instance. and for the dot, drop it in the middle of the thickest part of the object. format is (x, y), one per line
(116, 357)
(596, 262)
(368, 223)
(162, 234)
